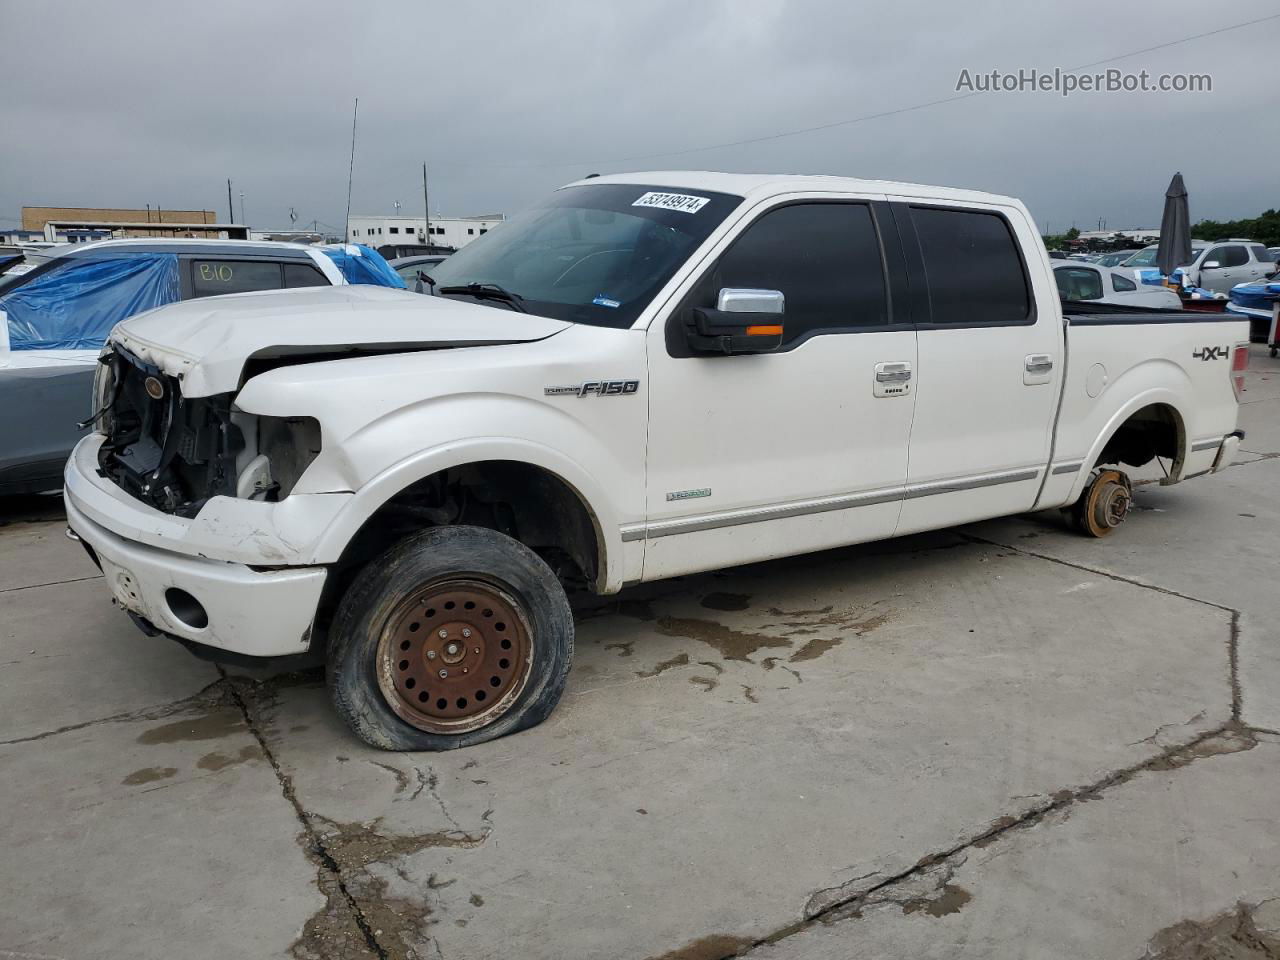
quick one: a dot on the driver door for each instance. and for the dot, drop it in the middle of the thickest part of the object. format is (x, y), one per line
(759, 456)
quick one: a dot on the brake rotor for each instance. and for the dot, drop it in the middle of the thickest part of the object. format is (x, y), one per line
(454, 655)
(1107, 503)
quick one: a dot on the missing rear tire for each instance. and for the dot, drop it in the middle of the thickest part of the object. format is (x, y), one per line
(1104, 504)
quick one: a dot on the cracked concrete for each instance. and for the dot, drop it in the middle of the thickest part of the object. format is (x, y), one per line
(883, 751)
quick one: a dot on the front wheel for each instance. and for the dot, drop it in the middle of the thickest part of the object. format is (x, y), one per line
(454, 636)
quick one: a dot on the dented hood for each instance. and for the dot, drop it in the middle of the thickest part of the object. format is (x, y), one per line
(208, 342)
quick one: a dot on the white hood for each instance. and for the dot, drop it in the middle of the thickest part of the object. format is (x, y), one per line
(207, 342)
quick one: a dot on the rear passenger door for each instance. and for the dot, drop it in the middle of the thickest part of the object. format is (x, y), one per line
(988, 365)
(759, 456)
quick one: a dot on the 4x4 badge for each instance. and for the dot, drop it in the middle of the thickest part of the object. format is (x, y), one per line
(595, 388)
(1211, 353)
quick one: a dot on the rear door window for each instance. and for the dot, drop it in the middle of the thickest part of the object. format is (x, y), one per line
(211, 278)
(1260, 254)
(973, 269)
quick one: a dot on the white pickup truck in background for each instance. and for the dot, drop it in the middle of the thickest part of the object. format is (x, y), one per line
(645, 376)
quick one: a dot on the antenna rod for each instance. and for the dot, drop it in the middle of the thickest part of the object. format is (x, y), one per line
(231, 211)
(352, 168)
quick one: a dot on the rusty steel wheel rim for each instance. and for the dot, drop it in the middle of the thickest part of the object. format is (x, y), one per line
(454, 655)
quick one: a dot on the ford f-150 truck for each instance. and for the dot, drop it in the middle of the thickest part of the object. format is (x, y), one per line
(644, 376)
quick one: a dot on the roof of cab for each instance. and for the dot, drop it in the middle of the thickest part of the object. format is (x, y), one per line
(770, 184)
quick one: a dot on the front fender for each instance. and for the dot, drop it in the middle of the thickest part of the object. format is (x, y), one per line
(386, 484)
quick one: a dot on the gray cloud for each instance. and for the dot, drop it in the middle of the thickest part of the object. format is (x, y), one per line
(130, 103)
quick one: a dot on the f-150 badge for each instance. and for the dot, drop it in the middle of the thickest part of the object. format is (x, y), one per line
(595, 388)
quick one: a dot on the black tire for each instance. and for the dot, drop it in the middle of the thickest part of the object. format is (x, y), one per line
(440, 557)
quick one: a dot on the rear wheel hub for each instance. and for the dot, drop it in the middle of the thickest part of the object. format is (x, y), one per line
(454, 655)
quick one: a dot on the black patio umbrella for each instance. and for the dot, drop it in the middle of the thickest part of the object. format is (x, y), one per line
(1175, 228)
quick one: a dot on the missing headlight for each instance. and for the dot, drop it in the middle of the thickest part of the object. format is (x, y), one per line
(286, 447)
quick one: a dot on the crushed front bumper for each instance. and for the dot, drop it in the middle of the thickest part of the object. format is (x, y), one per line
(179, 588)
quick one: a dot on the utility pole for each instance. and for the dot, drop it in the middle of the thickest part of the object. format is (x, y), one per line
(242, 219)
(426, 205)
(231, 211)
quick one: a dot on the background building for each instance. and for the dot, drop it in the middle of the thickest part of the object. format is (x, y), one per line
(72, 224)
(454, 232)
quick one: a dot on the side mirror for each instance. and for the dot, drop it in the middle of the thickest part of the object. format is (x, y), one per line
(744, 321)
(1211, 265)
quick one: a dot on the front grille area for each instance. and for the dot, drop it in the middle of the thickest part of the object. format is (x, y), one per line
(170, 452)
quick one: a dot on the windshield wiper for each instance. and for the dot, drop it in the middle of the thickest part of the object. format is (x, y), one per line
(486, 291)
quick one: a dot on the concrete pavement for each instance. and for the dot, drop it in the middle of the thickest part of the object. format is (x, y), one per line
(1003, 740)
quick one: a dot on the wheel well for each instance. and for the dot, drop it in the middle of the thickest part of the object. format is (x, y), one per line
(1154, 431)
(526, 502)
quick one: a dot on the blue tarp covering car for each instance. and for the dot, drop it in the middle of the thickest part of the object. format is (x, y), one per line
(361, 264)
(76, 309)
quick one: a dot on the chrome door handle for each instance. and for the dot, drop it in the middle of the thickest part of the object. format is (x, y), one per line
(893, 372)
(1039, 363)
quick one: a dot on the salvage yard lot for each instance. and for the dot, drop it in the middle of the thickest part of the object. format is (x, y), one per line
(1002, 740)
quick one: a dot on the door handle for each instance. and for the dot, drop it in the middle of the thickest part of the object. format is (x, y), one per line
(899, 372)
(1039, 363)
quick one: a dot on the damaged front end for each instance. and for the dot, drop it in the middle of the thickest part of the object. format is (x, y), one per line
(174, 453)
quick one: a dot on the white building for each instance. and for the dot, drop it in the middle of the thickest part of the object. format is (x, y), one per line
(454, 232)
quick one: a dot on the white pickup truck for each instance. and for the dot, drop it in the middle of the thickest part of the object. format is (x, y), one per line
(645, 376)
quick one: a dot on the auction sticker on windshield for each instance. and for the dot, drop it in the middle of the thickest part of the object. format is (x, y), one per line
(672, 201)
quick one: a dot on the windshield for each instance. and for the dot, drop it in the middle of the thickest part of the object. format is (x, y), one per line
(594, 254)
(1147, 256)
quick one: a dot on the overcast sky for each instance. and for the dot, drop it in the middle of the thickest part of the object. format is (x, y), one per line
(127, 103)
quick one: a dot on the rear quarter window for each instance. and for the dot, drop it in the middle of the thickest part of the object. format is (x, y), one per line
(973, 270)
(303, 275)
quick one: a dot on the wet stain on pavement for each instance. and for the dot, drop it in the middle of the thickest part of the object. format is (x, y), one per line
(820, 645)
(714, 947)
(680, 660)
(220, 761)
(1229, 741)
(214, 725)
(778, 612)
(732, 644)
(625, 649)
(477, 900)
(815, 648)
(950, 899)
(706, 683)
(148, 775)
(354, 846)
(1249, 932)
(726, 601)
